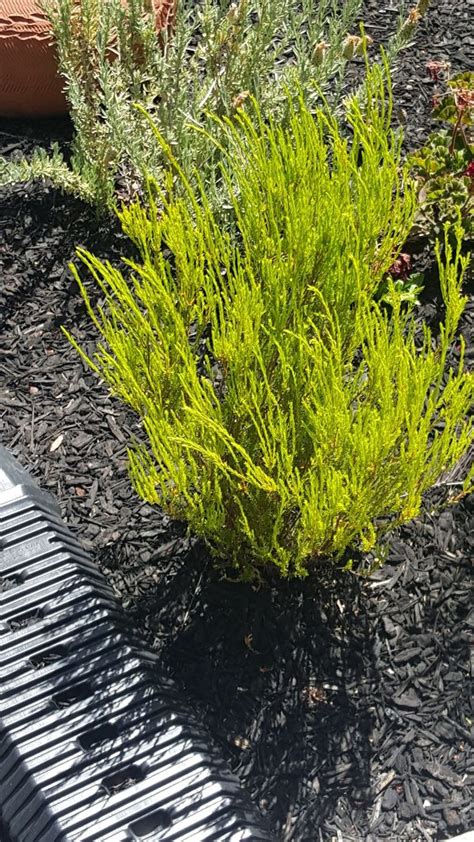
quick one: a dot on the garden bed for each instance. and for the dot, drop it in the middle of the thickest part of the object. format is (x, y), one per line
(342, 703)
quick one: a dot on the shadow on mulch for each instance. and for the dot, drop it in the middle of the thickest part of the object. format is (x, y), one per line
(282, 676)
(340, 702)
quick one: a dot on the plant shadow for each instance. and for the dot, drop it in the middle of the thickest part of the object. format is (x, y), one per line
(283, 677)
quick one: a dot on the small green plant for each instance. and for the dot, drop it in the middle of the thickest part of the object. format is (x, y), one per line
(444, 167)
(286, 414)
(216, 56)
(407, 284)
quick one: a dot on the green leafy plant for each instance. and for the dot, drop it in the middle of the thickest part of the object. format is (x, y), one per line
(407, 284)
(444, 167)
(214, 57)
(286, 414)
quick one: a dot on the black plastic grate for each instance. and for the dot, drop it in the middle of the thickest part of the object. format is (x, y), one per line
(94, 743)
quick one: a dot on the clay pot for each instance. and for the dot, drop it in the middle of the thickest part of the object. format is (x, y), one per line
(30, 85)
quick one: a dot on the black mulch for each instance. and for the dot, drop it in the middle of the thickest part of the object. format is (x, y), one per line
(342, 704)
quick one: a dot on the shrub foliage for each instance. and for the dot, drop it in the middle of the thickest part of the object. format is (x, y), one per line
(287, 414)
(216, 54)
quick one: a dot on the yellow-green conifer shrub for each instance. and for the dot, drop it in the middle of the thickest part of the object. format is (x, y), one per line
(286, 414)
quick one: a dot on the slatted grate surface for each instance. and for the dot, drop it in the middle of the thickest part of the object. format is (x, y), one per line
(94, 743)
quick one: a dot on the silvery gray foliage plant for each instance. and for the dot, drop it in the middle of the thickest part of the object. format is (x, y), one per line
(209, 57)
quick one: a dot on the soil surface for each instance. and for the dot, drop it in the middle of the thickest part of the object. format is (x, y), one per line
(341, 703)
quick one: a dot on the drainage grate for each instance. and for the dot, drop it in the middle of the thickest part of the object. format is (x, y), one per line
(95, 745)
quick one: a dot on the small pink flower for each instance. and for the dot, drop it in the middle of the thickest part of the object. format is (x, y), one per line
(434, 69)
(469, 171)
(464, 99)
(401, 267)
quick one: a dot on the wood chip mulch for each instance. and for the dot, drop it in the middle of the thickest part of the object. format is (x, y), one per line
(342, 703)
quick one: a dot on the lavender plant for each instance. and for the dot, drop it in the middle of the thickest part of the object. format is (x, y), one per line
(214, 57)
